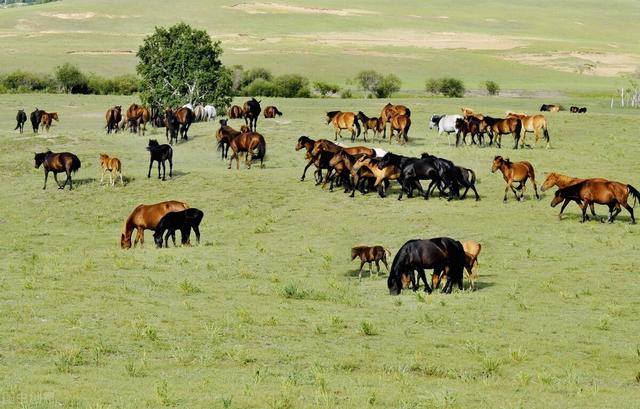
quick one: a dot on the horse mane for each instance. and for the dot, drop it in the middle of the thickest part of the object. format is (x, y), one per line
(331, 114)
(571, 190)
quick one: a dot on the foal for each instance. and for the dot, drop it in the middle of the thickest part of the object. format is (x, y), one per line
(184, 221)
(515, 172)
(160, 153)
(113, 166)
(368, 255)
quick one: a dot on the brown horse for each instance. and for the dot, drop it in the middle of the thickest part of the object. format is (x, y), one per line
(532, 123)
(344, 120)
(248, 142)
(612, 194)
(388, 112)
(57, 162)
(251, 112)
(470, 125)
(550, 108)
(369, 254)
(146, 217)
(47, 118)
(138, 116)
(496, 127)
(515, 172)
(113, 117)
(376, 124)
(471, 252)
(235, 112)
(113, 166)
(328, 146)
(562, 181)
(271, 112)
(400, 123)
(386, 173)
(225, 134)
(467, 112)
(184, 117)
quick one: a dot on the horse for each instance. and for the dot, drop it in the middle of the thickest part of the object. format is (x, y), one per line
(496, 127)
(381, 174)
(582, 110)
(146, 217)
(251, 111)
(612, 194)
(574, 109)
(183, 220)
(442, 254)
(515, 172)
(532, 123)
(467, 179)
(172, 126)
(369, 254)
(344, 120)
(209, 113)
(388, 111)
(160, 153)
(113, 117)
(400, 124)
(57, 162)
(224, 136)
(550, 108)
(471, 252)
(271, 112)
(47, 118)
(248, 142)
(138, 115)
(113, 166)
(449, 175)
(157, 117)
(21, 118)
(198, 113)
(184, 116)
(35, 119)
(562, 181)
(371, 123)
(445, 123)
(235, 112)
(470, 125)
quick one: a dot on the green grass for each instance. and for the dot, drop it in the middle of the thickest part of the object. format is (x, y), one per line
(268, 310)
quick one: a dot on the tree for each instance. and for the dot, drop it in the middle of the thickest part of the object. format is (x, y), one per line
(179, 65)
(492, 87)
(369, 80)
(324, 88)
(390, 84)
(70, 79)
(447, 86)
(292, 86)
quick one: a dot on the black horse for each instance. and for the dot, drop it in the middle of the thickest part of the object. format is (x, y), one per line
(447, 175)
(21, 118)
(35, 119)
(184, 221)
(173, 126)
(467, 179)
(251, 111)
(160, 153)
(441, 254)
(412, 171)
(57, 162)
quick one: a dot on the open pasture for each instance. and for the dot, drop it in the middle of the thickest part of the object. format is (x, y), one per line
(268, 310)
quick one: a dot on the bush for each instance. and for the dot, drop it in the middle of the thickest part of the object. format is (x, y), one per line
(253, 74)
(492, 87)
(292, 86)
(346, 94)
(447, 86)
(374, 83)
(390, 84)
(260, 87)
(324, 88)
(22, 81)
(71, 80)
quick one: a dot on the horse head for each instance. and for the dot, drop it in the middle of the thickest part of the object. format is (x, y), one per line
(153, 143)
(557, 198)
(38, 158)
(223, 123)
(435, 120)
(497, 162)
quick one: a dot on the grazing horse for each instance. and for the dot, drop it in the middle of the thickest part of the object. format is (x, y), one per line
(209, 113)
(21, 118)
(251, 111)
(401, 125)
(562, 181)
(532, 123)
(515, 172)
(146, 217)
(35, 119)
(612, 194)
(57, 162)
(183, 220)
(443, 255)
(271, 112)
(376, 124)
(496, 127)
(113, 117)
(160, 153)
(390, 110)
(550, 108)
(248, 142)
(344, 120)
(445, 123)
(235, 112)
(369, 254)
(113, 166)
(471, 252)
(47, 118)
(138, 116)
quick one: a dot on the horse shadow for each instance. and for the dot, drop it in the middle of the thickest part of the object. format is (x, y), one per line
(82, 182)
(355, 273)
(177, 174)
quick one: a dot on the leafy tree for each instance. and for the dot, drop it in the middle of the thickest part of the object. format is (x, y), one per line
(447, 86)
(492, 87)
(369, 80)
(390, 84)
(324, 88)
(256, 73)
(70, 79)
(292, 86)
(179, 64)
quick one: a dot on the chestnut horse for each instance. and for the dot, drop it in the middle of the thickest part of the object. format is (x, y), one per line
(235, 112)
(390, 110)
(57, 162)
(532, 123)
(344, 120)
(137, 116)
(497, 127)
(247, 142)
(251, 112)
(146, 217)
(371, 123)
(515, 172)
(46, 118)
(400, 123)
(467, 112)
(113, 117)
(382, 175)
(185, 117)
(612, 194)
(562, 181)
(113, 166)
(271, 112)
(225, 134)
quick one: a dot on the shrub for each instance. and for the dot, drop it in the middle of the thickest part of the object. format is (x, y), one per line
(28, 82)
(324, 88)
(390, 84)
(260, 87)
(369, 80)
(447, 86)
(292, 86)
(492, 87)
(346, 94)
(70, 79)
(253, 74)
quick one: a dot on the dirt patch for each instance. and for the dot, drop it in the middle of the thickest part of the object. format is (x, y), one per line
(272, 8)
(384, 55)
(586, 62)
(70, 16)
(101, 52)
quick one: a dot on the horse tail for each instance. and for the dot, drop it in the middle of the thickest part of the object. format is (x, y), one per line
(546, 132)
(262, 150)
(406, 131)
(519, 128)
(357, 124)
(75, 163)
(634, 192)
(472, 180)
(387, 252)
(408, 112)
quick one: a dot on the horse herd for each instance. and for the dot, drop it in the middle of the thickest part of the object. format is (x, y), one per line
(353, 168)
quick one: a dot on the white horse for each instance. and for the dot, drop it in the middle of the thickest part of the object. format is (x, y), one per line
(198, 113)
(209, 113)
(445, 123)
(189, 105)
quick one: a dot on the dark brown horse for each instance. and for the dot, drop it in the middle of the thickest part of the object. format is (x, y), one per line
(612, 194)
(248, 142)
(21, 118)
(35, 119)
(251, 111)
(470, 125)
(344, 120)
(225, 134)
(375, 124)
(304, 142)
(57, 162)
(400, 124)
(562, 181)
(271, 112)
(388, 112)
(47, 118)
(185, 118)
(138, 116)
(113, 117)
(496, 127)
(146, 217)
(515, 172)
(235, 112)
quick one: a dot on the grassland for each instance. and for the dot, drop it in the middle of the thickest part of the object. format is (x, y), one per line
(268, 310)
(531, 45)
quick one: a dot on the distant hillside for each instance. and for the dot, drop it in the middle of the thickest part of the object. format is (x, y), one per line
(530, 45)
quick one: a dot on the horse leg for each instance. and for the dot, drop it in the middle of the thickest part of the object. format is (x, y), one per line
(583, 207)
(421, 274)
(360, 271)
(121, 181)
(196, 230)
(46, 176)
(159, 169)
(377, 267)
(415, 284)
(150, 164)
(565, 204)
(630, 210)
(102, 177)
(55, 177)
(304, 172)
(535, 188)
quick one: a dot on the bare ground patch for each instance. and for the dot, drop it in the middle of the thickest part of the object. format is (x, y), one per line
(69, 16)
(271, 8)
(101, 52)
(588, 62)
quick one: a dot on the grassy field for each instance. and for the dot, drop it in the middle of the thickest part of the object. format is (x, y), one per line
(268, 310)
(531, 45)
